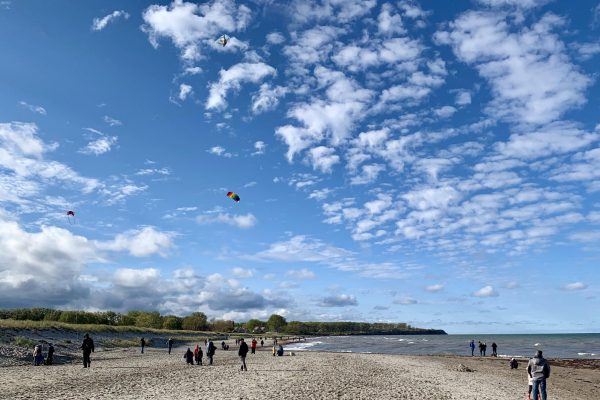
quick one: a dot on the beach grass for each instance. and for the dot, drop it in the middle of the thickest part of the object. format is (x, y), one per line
(24, 342)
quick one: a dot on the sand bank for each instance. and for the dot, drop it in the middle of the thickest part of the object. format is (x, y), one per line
(127, 374)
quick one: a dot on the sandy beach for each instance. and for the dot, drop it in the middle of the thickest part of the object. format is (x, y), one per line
(127, 374)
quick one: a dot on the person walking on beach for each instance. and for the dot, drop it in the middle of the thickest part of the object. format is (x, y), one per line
(170, 344)
(88, 348)
(210, 351)
(538, 370)
(142, 344)
(253, 346)
(189, 357)
(262, 343)
(472, 346)
(242, 352)
(494, 349)
(38, 357)
(50, 358)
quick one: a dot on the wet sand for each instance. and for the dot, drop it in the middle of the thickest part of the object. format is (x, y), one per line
(127, 374)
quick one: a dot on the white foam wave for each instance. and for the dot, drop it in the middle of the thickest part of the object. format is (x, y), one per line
(301, 346)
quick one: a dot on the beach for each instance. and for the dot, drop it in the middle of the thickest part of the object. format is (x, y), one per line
(127, 374)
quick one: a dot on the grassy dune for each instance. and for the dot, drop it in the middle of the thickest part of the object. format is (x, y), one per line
(93, 328)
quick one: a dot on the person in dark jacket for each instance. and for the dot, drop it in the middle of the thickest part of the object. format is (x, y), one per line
(243, 350)
(50, 358)
(170, 344)
(210, 351)
(538, 370)
(143, 344)
(494, 349)
(189, 356)
(484, 348)
(88, 348)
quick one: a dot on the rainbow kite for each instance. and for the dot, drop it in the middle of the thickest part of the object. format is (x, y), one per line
(233, 197)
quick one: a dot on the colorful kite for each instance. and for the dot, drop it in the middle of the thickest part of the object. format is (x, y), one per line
(71, 217)
(223, 40)
(233, 197)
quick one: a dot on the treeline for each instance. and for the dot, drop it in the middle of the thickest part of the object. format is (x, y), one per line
(196, 321)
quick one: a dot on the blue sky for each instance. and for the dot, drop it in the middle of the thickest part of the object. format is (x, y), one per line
(429, 163)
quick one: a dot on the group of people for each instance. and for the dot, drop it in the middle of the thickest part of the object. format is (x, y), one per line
(38, 356)
(483, 348)
(538, 370)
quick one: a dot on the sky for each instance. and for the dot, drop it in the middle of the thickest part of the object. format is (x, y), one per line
(436, 163)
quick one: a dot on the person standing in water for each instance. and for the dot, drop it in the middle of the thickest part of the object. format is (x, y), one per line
(538, 370)
(472, 346)
(242, 352)
(88, 348)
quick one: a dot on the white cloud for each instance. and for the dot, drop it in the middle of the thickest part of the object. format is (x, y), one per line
(323, 158)
(331, 118)
(340, 300)
(141, 242)
(219, 151)
(304, 11)
(320, 194)
(554, 138)
(22, 153)
(300, 273)
(259, 147)
(275, 38)
(242, 272)
(588, 50)
(532, 78)
(369, 174)
(445, 111)
(240, 221)
(101, 23)
(232, 79)
(267, 98)
(37, 109)
(99, 146)
(435, 288)
(586, 236)
(575, 286)
(405, 301)
(514, 3)
(463, 98)
(136, 278)
(112, 121)
(154, 171)
(41, 268)
(486, 291)
(191, 26)
(184, 91)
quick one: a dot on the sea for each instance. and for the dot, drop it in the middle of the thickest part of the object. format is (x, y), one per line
(568, 346)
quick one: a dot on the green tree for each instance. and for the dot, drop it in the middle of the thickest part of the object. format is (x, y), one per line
(149, 320)
(172, 322)
(220, 325)
(276, 323)
(195, 322)
(253, 323)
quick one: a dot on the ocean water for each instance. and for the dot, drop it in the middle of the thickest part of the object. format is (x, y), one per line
(585, 345)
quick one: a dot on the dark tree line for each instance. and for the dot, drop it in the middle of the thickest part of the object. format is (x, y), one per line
(197, 321)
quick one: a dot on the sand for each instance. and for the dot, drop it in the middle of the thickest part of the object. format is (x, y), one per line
(127, 374)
